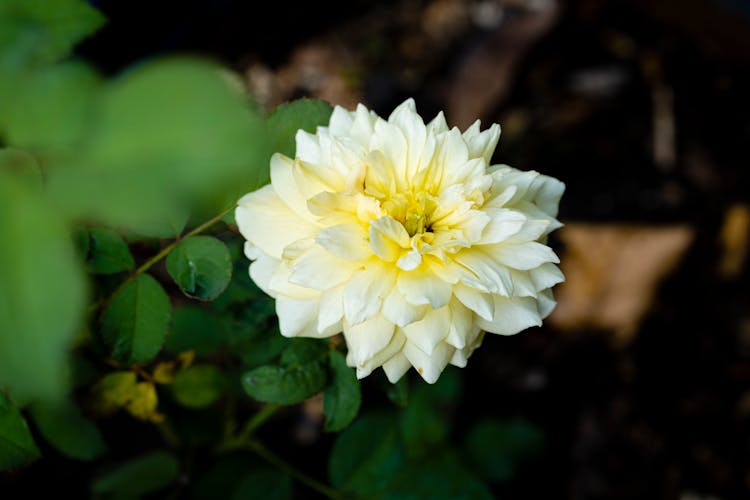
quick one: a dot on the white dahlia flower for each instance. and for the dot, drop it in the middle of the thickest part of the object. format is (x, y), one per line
(401, 236)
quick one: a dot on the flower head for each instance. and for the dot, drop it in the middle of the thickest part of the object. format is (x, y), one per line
(400, 235)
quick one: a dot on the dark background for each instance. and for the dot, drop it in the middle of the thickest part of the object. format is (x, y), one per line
(643, 109)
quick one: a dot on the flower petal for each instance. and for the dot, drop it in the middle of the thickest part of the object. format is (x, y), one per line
(429, 331)
(429, 366)
(368, 338)
(295, 316)
(421, 286)
(365, 292)
(397, 310)
(396, 367)
(267, 222)
(522, 256)
(512, 315)
(347, 241)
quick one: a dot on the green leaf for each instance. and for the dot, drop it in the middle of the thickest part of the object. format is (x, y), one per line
(17, 447)
(51, 108)
(285, 384)
(46, 31)
(63, 426)
(302, 350)
(114, 391)
(222, 476)
(170, 133)
(288, 118)
(42, 295)
(398, 393)
(108, 253)
(136, 321)
(146, 474)
(342, 398)
(425, 422)
(198, 386)
(366, 456)
(201, 266)
(441, 476)
(266, 483)
(497, 448)
(22, 165)
(195, 328)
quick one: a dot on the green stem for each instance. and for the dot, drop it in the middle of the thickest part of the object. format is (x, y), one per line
(258, 420)
(284, 466)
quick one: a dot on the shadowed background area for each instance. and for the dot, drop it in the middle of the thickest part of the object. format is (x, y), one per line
(639, 383)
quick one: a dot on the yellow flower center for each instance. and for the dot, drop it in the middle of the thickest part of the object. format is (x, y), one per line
(412, 210)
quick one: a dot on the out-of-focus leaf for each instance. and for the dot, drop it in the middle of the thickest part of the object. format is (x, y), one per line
(201, 266)
(17, 447)
(107, 252)
(366, 456)
(143, 403)
(198, 386)
(46, 30)
(442, 476)
(425, 421)
(399, 392)
(140, 476)
(194, 328)
(42, 294)
(288, 118)
(22, 165)
(497, 447)
(343, 397)
(51, 107)
(222, 477)
(167, 134)
(113, 391)
(63, 426)
(136, 321)
(266, 483)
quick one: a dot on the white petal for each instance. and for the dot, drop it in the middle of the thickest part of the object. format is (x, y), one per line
(487, 274)
(421, 286)
(308, 148)
(409, 261)
(285, 185)
(431, 330)
(365, 292)
(479, 302)
(546, 303)
(503, 224)
(331, 311)
(262, 269)
(429, 366)
(280, 284)
(319, 269)
(296, 315)
(393, 348)
(368, 338)
(546, 276)
(341, 121)
(461, 325)
(523, 256)
(547, 194)
(482, 145)
(347, 241)
(461, 356)
(268, 223)
(396, 367)
(397, 310)
(512, 315)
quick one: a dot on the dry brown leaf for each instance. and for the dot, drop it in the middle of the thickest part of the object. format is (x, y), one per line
(612, 273)
(734, 239)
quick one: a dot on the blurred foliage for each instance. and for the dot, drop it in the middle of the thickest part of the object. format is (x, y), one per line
(114, 306)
